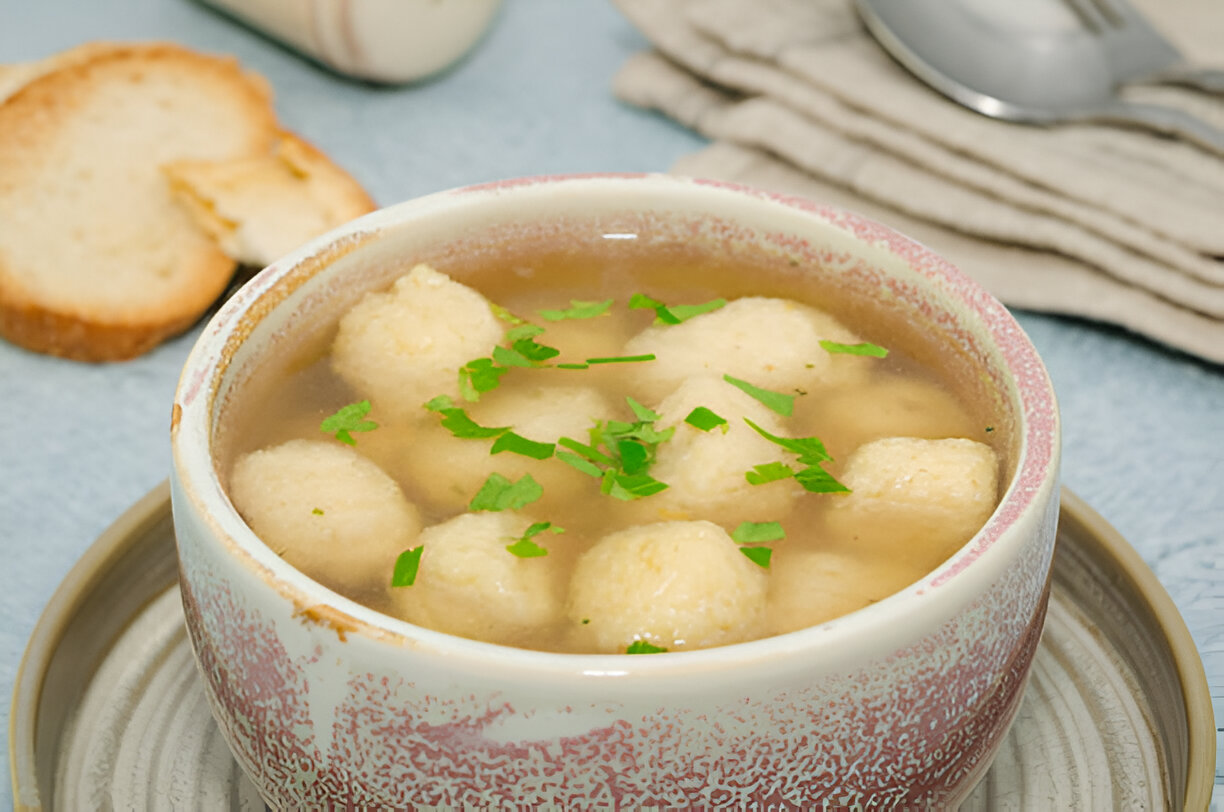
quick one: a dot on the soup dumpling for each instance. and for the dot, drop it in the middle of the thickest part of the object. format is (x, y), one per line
(809, 587)
(469, 584)
(704, 470)
(891, 406)
(915, 500)
(772, 343)
(678, 585)
(402, 347)
(326, 510)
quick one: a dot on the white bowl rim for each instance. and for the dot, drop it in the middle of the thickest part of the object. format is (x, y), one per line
(940, 593)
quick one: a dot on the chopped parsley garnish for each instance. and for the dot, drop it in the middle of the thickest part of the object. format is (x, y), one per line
(811, 453)
(989, 429)
(518, 444)
(641, 412)
(758, 555)
(622, 359)
(457, 422)
(348, 419)
(522, 330)
(524, 547)
(499, 493)
(478, 376)
(620, 454)
(754, 532)
(583, 465)
(778, 402)
(769, 472)
(573, 366)
(510, 358)
(673, 314)
(504, 314)
(578, 310)
(317, 512)
(818, 480)
(810, 450)
(862, 348)
(644, 647)
(704, 419)
(406, 566)
(522, 341)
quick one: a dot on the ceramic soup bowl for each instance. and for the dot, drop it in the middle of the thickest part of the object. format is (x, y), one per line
(324, 701)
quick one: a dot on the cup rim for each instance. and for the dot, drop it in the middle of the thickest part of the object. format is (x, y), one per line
(940, 593)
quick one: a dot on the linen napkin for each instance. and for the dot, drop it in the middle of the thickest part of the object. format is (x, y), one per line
(1105, 223)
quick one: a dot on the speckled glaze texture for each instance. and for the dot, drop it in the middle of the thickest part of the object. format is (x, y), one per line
(899, 705)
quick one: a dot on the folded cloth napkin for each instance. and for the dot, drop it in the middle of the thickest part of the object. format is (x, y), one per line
(1109, 224)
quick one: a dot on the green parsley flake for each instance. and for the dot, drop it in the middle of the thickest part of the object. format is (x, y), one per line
(758, 555)
(406, 566)
(818, 480)
(523, 330)
(317, 512)
(704, 419)
(583, 465)
(644, 647)
(505, 315)
(754, 532)
(573, 366)
(642, 413)
(439, 403)
(590, 452)
(524, 547)
(769, 472)
(578, 310)
(536, 353)
(674, 314)
(348, 419)
(686, 312)
(810, 450)
(457, 422)
(862, 348)
(511, 358)
(518, 444)
(499, 493)
(778, 402)
(622, 359)
(478, 376)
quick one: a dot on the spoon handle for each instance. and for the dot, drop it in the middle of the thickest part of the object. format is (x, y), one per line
(1208, 80)
(1164, 120)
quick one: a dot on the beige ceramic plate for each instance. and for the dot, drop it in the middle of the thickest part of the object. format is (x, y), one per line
(108, 711)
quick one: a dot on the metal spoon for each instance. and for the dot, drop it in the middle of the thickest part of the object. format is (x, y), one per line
(1028, 62)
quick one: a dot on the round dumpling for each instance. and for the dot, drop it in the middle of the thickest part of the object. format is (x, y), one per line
(469, 584)
(449, 470)
(772, 343)
(704, 470)
(915, 500)
(809, 587)
(892, 406)
(402, 347)
(326, 510)
(678, 585)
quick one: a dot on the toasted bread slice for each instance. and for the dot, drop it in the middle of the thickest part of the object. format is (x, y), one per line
(260, 208)
(97, 261)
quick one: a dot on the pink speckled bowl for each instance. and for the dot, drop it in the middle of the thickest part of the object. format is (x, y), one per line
(324, 701)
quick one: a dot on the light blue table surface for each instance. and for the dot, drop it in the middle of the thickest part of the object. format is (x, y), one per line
(1144, 427)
